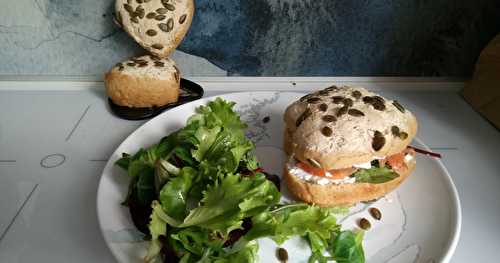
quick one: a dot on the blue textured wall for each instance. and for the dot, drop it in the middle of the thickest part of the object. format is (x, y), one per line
(260, 37)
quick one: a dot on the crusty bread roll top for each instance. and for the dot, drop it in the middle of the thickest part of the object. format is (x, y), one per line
(338, 127)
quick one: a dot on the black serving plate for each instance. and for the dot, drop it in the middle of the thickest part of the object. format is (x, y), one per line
(189, 91)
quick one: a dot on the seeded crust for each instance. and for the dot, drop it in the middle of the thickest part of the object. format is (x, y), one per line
(356, 133)
(343, 194)
(143, 82)
(157, 25)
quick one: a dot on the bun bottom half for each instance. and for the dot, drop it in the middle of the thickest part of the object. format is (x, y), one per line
(137, 91)
(343, 194)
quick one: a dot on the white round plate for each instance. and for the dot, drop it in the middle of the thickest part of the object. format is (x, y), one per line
(420, 220)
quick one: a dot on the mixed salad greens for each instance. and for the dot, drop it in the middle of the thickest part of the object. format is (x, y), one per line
(200, 196)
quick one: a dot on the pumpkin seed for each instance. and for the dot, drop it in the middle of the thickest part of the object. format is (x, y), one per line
(324, 92)
(337, 99)
(364, 224)
(140, 12)
(146, 1)
(356, 94)
(282, 254)
(131, 64)
(302, 117)
(347, 102)
(163, 27)
(342, 111)
(169, 6)
(151, 32)
(378, 105)
(177, 74)
(266, 119)
(313, 163)
(331, 88)
(161, 11)
(313, 100)
(139, 1)
(398, 106)
(159, 64)
(403, 135)
(128, 8)
(395, 131)
(160, 17)
(170, 24)
(323, 107)
(378, 141)
(355, 113)
(368, 100)
(151, 15)
(134, 19)
(375, 213)
(143, 65)
(157, 46)
(154, 57)
(326, 131)
(182, 19)
(305, 97)
(329, 118)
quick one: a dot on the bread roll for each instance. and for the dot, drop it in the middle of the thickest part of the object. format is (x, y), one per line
(340, 126)
(144, 81)
(157, 25)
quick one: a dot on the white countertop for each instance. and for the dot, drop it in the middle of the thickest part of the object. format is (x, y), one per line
(55, 138)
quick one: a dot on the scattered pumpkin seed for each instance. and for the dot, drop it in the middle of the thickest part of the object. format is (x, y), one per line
(403, 135)
(159, 64)
(134, 19)
(378, 105)
(324, 92)
(139, 1)
(163, 27)
(131, 64)
(364, 224)
(375, 213)
(282, 254)
(266, 119)
(151, 15)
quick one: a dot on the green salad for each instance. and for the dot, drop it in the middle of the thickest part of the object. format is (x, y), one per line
(199, 196)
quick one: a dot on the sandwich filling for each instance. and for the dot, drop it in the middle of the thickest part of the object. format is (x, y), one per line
(379, 170)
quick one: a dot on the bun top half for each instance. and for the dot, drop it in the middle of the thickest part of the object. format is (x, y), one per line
(337, 127)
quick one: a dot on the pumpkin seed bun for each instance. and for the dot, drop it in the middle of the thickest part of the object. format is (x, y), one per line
(144, 81)
(343, 194)
(337, 127)
(157, 25)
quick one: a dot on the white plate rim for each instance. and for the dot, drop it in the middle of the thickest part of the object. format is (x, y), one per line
(457, 216)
